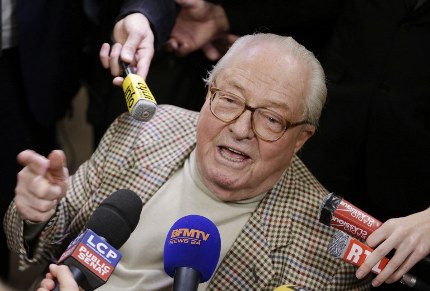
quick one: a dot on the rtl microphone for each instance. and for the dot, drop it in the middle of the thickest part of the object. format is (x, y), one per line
(93, 255)
(140, 102)
(191, 252)
(355, 252)
(341, 214)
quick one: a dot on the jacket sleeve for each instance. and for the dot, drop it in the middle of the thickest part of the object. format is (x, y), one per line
(160, 13)
(71, 214)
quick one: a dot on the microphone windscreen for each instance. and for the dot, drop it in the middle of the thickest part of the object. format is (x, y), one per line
(328, 207)
(116, 217)
(193, 242)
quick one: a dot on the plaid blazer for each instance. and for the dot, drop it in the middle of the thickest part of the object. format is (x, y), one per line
(282, 243)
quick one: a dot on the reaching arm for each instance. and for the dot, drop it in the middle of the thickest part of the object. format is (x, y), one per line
(142, 27)
(409, 236)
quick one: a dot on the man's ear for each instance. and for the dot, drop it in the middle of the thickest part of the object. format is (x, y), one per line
(305, 133)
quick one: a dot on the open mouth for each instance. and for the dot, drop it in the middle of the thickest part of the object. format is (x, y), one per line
(232, 154)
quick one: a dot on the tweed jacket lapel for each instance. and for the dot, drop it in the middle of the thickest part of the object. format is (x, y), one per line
(283, 242)
(248, 265)
(141, 157)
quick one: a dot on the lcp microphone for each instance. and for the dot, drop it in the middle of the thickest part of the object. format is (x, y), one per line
(191, 252)
(93, 255)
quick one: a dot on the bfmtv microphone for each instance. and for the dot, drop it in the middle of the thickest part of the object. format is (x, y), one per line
(191, 252)
(93, 255)
(355, 252)
(140, 102)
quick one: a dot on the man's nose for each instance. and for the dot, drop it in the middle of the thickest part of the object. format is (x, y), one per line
(242, 126)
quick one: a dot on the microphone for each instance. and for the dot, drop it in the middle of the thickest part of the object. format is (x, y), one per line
(140, 102)
(191, 252)
(340, 214)
(355, 252)
(93, 255)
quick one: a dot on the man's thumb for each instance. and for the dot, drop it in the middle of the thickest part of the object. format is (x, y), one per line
(57, 164)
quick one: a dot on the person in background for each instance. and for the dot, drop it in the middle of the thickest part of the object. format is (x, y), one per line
(153, 25)
(36, 37)
(37, 83)
(234, 162)
(176, 76)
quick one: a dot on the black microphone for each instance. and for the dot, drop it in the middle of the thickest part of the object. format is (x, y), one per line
(93, 255)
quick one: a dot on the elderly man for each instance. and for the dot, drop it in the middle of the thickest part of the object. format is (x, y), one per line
(234, 162)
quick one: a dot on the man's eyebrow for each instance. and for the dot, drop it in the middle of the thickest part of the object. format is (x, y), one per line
(278, 104)
(232, 84)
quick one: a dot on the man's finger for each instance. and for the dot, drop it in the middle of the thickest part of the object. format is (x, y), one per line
(64, 276)
(57, 164)
(115, 68)
(211, 52)
(104, 55)
(36, 163)
(144, 62)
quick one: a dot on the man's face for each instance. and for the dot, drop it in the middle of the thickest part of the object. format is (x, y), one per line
(234, 163)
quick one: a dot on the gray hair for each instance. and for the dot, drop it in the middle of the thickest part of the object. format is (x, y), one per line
(317, 90)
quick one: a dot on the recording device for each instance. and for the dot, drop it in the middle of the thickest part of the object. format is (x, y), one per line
(340, 214)
(93, 255)
(191, 252)
(355, 252)
(140, 102)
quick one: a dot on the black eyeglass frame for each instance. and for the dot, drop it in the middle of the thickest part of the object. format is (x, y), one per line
(213, 90)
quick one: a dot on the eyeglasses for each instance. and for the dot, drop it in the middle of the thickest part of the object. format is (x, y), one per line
(267, 124)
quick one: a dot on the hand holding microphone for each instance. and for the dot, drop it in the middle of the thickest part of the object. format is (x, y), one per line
(64, 276)
(191, 252)
(134, 44)
(355, 252)
(410, 236)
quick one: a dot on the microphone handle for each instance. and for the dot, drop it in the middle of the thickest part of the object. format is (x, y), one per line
(78, 275)
(421, 285)
(186, 279)
(414, 282)
(426, 260)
